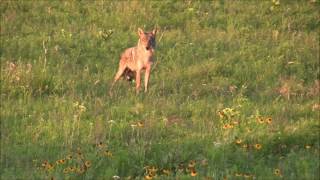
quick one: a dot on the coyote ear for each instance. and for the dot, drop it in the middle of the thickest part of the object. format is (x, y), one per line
(154, 32)
(140, 31)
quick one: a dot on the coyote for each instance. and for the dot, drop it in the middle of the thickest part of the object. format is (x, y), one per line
(135, 59)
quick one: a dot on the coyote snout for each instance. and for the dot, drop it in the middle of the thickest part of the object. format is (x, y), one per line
(135, 59)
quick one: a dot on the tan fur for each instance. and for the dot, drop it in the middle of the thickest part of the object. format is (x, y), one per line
(136, 59)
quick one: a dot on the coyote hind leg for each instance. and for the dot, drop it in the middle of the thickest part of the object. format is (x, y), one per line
(118, 75)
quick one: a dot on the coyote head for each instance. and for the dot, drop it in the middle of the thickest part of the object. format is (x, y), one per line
(147, 39)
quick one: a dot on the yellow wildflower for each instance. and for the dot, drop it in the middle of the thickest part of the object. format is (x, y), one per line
(235, 122)
(258, 146)
(260, 120)
(82, 108)
(192, 164)
(245, 146)
(100, 144)
(61, 161)
(81, 170)
(181, 167)
(45, 163)
(87, 164)
(152, 169)
(226, 126)
(65, 170)
(166, 172)
(69, 157)
(147, 177)
(108, 153)
(277, 172)
(269, 120)
(230, 126)
(193, 172)
(221, 114)
(50, 166)
(140, 124)
(71, 169)
(238, 141)
(277, 3)
(76, 104)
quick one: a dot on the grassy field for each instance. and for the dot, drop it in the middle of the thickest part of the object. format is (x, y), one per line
(234, 91)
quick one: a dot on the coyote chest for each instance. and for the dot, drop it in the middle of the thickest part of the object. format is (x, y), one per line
(137, 59)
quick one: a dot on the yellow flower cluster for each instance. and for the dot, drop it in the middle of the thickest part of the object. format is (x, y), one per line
(192, 168)
(103, 149)
(79, 107)
(151, 172)
(228, 113)
(47, 166)
(240, 142)
(275, 3)
(276, 172)
(230, 125)
(79, 166)
(139, 124)
(229, 117)
(262, 120)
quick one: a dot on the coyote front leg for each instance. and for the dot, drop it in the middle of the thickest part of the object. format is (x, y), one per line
(118, 75)
(146, 78)
(138, 79)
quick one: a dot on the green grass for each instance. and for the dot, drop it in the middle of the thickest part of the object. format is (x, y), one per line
(248, 60)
